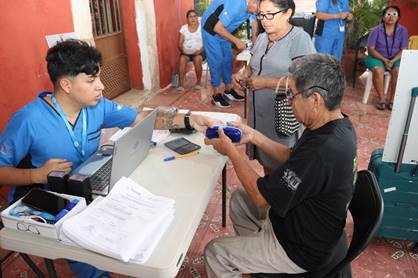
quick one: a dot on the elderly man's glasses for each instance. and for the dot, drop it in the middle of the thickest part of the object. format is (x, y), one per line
(290, 96)
(394, 14)
(268, 16)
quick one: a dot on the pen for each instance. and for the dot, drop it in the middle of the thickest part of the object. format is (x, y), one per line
(168, 158)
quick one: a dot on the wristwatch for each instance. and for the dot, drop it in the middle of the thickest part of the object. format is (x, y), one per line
(187, 121)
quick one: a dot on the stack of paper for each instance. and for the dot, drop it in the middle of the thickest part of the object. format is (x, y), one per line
(127, 224)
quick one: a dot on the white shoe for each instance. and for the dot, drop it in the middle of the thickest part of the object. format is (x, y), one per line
(180, 89)
(198, 87)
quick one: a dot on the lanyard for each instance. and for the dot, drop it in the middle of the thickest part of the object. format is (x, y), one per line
(79, 147)
(386, 40)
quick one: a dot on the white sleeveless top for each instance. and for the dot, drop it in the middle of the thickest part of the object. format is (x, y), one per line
(192, 40)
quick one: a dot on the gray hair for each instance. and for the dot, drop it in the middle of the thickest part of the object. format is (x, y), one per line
(323, 74)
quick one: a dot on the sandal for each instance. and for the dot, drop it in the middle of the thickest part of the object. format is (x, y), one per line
(390, 106)
(380, 106)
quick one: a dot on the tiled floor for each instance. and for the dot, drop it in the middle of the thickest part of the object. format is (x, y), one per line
(383, 257)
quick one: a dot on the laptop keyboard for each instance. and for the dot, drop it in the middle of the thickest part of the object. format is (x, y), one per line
(101, 179)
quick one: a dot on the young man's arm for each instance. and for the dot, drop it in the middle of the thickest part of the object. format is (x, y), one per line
(15, 176)
(223, 32)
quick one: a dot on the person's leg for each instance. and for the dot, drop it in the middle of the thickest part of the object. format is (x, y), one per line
(323, 45)
(261, 252)
(197, 61)
(338, 47)
(214, 56)
(83, 270)
(393, 81)
(246, 218)
(184, 59)
(378, 70)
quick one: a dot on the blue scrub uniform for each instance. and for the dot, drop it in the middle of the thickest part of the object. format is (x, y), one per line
(219, 50)
(37, 131)
(332, 39)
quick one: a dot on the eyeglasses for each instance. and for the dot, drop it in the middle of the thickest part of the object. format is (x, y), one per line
(21, 226)
(394, 14)
(290, 96)
(268, 16)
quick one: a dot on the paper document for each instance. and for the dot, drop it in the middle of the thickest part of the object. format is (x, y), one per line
(127, 223)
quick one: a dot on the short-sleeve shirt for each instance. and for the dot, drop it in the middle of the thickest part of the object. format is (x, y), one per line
(234, 13)
(309, 194)
(332, 26)
(37, 131)
(192, 40)
(274, 62)
(395, 42)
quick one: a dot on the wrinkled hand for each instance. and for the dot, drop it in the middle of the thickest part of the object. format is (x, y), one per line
(40, 175)
(239, 81)
(240, 45)
(247, 132)
(201, 123)
(222, 144)
(256, 82)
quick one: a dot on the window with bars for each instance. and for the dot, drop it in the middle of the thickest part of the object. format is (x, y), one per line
(105, 17)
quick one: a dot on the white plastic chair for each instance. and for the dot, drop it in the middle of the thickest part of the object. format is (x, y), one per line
(369, 84)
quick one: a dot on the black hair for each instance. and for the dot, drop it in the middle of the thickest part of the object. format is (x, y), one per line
(284, 5)
(189, 12)
(392, 7)
(72, 57)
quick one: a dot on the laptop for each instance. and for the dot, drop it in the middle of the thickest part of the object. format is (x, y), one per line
(105, 168)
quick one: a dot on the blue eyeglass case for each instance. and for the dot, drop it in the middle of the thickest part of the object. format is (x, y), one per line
(233, 133)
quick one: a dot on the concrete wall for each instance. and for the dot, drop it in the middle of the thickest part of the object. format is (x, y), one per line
(170, 15)
(23, 26)
(409, 14)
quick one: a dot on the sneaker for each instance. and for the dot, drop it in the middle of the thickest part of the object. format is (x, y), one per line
(232, 95)
(180, 89)
(219, 101)
(198, 87)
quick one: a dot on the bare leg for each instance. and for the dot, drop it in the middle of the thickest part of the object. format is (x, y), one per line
(182, 68)
(393, 79)
(378, 82)
(197, 61)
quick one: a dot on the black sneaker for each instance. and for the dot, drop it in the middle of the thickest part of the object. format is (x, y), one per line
(232, 95)
(219, 101)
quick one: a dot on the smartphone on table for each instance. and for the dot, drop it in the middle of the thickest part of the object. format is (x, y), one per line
(42, 200)
(182, 145)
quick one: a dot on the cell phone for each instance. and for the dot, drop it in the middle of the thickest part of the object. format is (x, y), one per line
(182, 145)
(42, 200)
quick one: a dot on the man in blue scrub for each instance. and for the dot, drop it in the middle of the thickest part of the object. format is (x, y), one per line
(59, 130)
(330, 30)
(220, 19)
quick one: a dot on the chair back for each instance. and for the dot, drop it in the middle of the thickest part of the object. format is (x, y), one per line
(366, 208)
(413, 42)
(306, 21)
(361, 44)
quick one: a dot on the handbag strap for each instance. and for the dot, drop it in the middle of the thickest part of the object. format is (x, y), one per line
(278, 85)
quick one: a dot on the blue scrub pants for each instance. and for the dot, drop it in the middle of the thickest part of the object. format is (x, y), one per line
(83, 270)
(330, 46)
(219, 55)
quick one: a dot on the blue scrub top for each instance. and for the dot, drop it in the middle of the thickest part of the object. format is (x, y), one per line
(332, 26)
(38, 130)
(235, 12)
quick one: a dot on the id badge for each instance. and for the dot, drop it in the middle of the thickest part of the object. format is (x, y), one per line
(342, 28)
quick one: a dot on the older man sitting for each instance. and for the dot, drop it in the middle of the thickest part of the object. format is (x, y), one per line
(291, 220)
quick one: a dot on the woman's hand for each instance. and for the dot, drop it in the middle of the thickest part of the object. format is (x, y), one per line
(257, 82)
(239, 81)
(40, 175)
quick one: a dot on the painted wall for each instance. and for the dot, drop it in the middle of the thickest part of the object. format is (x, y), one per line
(409, 12)
(169, 19)
(23, 26)
(131, 43)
